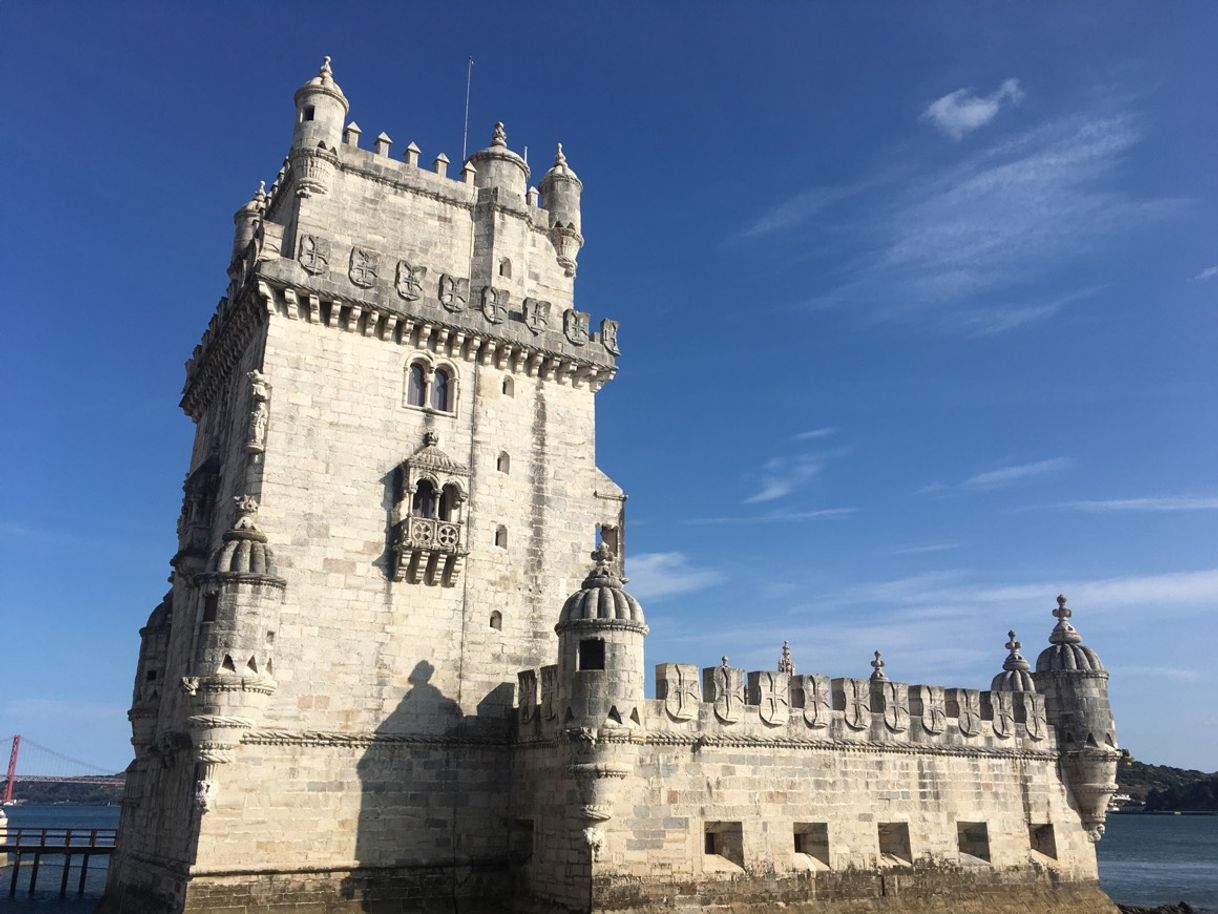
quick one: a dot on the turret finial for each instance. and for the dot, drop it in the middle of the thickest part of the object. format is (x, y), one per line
(725, 661)
(784, 662)
(559, 158)
(325, 72)
(878, 665)
(1015, 660)
(499, 136)
(603, 556)
(1064, 632)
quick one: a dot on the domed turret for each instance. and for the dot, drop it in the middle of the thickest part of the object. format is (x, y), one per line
(244, 550)
(321, 109)
(150, 674)
(1075, 685)
(600, 652)
(245, 221)
(560, 190)
(1015, 675)
(498, 167)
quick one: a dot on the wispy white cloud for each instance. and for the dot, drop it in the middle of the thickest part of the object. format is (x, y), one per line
(1207, 273)
(815, 433)
(777, 517)
(1000, 477)
(921, 548)
(1157, 672)
(780, 476)
(1166, 503)
(981, 246)
(654, 575)
(963, 111)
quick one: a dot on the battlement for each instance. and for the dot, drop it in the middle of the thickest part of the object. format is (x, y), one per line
(725, 705)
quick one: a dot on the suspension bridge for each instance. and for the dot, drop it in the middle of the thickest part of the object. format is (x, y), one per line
(32, 763)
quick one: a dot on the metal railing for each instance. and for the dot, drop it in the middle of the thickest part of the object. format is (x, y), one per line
(63, 842)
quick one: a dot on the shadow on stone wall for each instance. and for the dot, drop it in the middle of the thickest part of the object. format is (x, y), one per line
(434, 794)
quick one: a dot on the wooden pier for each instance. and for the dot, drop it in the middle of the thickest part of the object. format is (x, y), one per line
(37, 843)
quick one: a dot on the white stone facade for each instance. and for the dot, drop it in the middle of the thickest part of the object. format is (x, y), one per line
(354, 696)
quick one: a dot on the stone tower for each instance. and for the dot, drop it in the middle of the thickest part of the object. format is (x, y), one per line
(393, 486)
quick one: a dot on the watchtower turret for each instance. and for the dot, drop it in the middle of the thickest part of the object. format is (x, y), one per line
(1075, 685)
(498, 167)
(600, 652)
(321, 109)
(560, 190)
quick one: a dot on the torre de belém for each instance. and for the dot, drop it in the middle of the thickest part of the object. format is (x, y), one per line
(397, 670)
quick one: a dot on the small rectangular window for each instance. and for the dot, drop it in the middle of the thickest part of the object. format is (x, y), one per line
(520, 841)
(592, 654)
(973, 840)
(1043, 840)
(894, 843)
(150, 676)
(211, 607)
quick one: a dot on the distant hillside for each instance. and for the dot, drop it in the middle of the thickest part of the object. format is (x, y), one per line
(1163, 788)
(43, 794)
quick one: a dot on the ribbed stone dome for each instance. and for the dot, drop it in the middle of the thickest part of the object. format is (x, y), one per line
(1066, 651)
(162, 615)
(560, 169)
(1015, 676)
(245, 549)
(602, 598)
(324, 81)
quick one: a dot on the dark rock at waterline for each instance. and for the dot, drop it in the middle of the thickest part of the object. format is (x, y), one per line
(1182, 907)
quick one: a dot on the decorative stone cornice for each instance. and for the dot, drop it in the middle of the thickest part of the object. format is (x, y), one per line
(336, 739)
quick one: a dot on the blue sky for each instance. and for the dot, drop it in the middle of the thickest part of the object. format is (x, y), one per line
(918, 308)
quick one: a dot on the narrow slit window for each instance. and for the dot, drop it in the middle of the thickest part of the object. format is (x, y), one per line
(501, 537)
(505, 268)
(211, 607)
(509, 387)
(504, 463)
(497, 620)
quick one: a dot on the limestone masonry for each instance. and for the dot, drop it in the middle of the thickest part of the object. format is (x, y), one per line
(388, 678)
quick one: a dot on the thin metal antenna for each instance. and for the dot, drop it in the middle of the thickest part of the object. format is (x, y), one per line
(469, 78)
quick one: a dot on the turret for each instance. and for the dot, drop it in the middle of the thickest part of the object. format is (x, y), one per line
(498, 167)
(600, 652)
(232, 670)
(560, 190)
(1075, 685)
(150, 675)
(245, 222)
(1014, 676)
(321, 110)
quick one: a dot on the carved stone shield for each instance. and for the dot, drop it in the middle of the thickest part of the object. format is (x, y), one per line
(677, 687)
(537, 315)
(314, 254)
(724, 686)
(495, 304)
(1002, 704)
(363, 267)
(968, 704)
(409, 281)
(855, 700)
(934, 709)
(454, 293)
(895, 697)
(549, 692)
(527, 695)
(771, 693)
(1035, 720)
(609, 336)
(818, 700)
(575, 326)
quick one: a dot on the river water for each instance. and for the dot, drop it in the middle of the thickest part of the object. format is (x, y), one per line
(1146, 860)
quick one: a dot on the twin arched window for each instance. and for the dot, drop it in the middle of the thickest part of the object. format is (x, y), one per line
(426, 503)
(427, 387)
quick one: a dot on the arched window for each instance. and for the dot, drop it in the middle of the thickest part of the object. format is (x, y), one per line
(497, 620)
(509, 387)
(441, 390)
(449, 498)
(505, 268)
(416, 385)
(425, 500)
(504, 463)
(501, 537)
